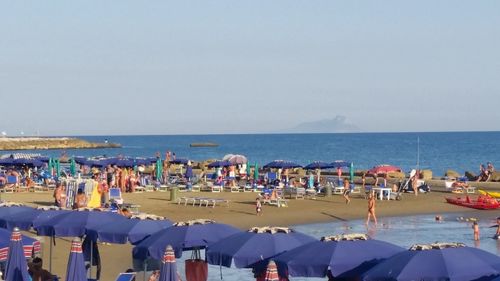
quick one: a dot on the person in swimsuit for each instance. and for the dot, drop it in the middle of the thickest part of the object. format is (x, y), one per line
(258, 207)
(80, 200)
(371, 209)
(347, 191)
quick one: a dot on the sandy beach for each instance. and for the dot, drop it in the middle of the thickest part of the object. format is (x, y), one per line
(241, 213)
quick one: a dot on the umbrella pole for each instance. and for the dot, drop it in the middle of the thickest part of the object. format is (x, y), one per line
(91, 257)
(145, 269)
(50, 253)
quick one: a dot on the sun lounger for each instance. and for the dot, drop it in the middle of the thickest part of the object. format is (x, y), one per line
(115, 194)
(202, 201)
(129, 276)
(11, 184)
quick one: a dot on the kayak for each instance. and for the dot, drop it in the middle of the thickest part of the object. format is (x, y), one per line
(481, 203)
(490, 193)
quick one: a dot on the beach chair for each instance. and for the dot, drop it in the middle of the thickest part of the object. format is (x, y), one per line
(115, 194)
(128, 276)
(11, 184)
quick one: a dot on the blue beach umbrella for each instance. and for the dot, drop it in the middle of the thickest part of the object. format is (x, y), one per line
(17, 216)
(437, 262)
(180, 161)
(75, 223)
(189, 172)
(318, 165)
(30, 245)
(254, 248)
(129, 230)
(168, 269)
(182, 236)
(340, 164)
(219, 164)
(76, 264)
(282, 164)
(342, 256)
(16, 268)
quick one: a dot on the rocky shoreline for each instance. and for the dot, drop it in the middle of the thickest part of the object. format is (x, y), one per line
(32, 143)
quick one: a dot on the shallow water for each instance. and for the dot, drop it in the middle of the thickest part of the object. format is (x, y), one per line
(402, 231)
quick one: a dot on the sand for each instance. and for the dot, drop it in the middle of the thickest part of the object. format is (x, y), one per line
(240, 213)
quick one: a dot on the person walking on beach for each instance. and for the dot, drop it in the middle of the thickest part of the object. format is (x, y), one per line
(371, 209)
(475, 227)
(258, 207)
(347, 191)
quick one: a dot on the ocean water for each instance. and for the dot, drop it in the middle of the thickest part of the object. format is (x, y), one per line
(402, 231)
(461, 151)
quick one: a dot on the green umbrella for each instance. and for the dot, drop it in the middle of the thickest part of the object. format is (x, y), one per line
(50, 165)
(351, 172)
(248, 170)
(72, 167)
(256, 172)
(159, 171)
(58, 168)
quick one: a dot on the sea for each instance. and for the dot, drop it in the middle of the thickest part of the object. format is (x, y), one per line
(460, 151)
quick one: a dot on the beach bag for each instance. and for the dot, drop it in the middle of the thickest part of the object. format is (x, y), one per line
(196, 270)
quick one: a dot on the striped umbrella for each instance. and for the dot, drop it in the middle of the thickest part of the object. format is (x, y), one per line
(168, 269)
(16, 268)
(76, 264)
(272, 272)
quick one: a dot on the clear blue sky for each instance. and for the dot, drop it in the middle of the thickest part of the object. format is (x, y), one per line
(159, 67)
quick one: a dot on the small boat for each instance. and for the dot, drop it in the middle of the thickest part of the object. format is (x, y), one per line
(203, 144)
(493, 194)
(481, 203)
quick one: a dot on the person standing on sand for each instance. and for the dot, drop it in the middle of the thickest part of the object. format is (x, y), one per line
(371, 209)
(258, 207)
(475, 227)
(347, 191)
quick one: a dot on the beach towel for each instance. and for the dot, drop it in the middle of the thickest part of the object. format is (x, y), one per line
(95, 197)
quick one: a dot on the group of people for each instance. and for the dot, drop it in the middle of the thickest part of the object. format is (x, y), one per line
(485, 172)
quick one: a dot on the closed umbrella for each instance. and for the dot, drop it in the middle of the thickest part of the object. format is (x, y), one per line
(158, 169)
(351, 172)
(30, 246)
(272, 272)
(345, 256)
(16, 268)
(168, 269)
(256, 172)
(383, 169)
(72, 167)
(76, 264)
(438, 261)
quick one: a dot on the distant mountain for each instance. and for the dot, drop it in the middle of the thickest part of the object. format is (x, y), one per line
(339, 124)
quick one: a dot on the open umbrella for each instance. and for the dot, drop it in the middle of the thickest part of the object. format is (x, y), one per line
(30, 245)
(383, 169)
(238, 159)
(318, 165)
(182, 236)
(76, 264)
(345, 256)
(180, 161)
(219, 163)
(16, 268)
(168, 269)
(439, 261)
(130, 230)
(254, 247)
(282, 164)
(340, 164)
(17, 216)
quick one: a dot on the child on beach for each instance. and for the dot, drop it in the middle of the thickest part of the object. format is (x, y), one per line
(475, 227)
(258, 207)
(371, 209)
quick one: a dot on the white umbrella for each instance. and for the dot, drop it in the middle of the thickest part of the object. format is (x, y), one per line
(238, 159)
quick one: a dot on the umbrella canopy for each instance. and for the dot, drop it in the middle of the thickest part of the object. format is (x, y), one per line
(183, 236)
(17, 216)
(383, 169)
(144, 161)
(272, 272)
(16, 268)
(437, 262)
(125, 162)
(238, 159)
(76, 264)
(75, 223)
(340, 164)
(227, 157)
(180, 161)
(318, 165)
(168, 269)
(345, 256)
(252, 248)
(130, 230)
(30, 245)
(282, 164)
(219, 163)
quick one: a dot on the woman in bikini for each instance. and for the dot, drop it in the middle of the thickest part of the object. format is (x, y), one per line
(371, 209)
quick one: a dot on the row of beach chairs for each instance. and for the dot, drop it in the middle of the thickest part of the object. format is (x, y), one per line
(202, 201)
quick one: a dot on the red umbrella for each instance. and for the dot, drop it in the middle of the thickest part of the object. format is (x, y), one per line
(383, 169)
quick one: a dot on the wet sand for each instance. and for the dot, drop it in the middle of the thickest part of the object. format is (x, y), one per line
(241, 213)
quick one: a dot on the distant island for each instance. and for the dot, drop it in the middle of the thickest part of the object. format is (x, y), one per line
(32, 143)
(339, 124)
